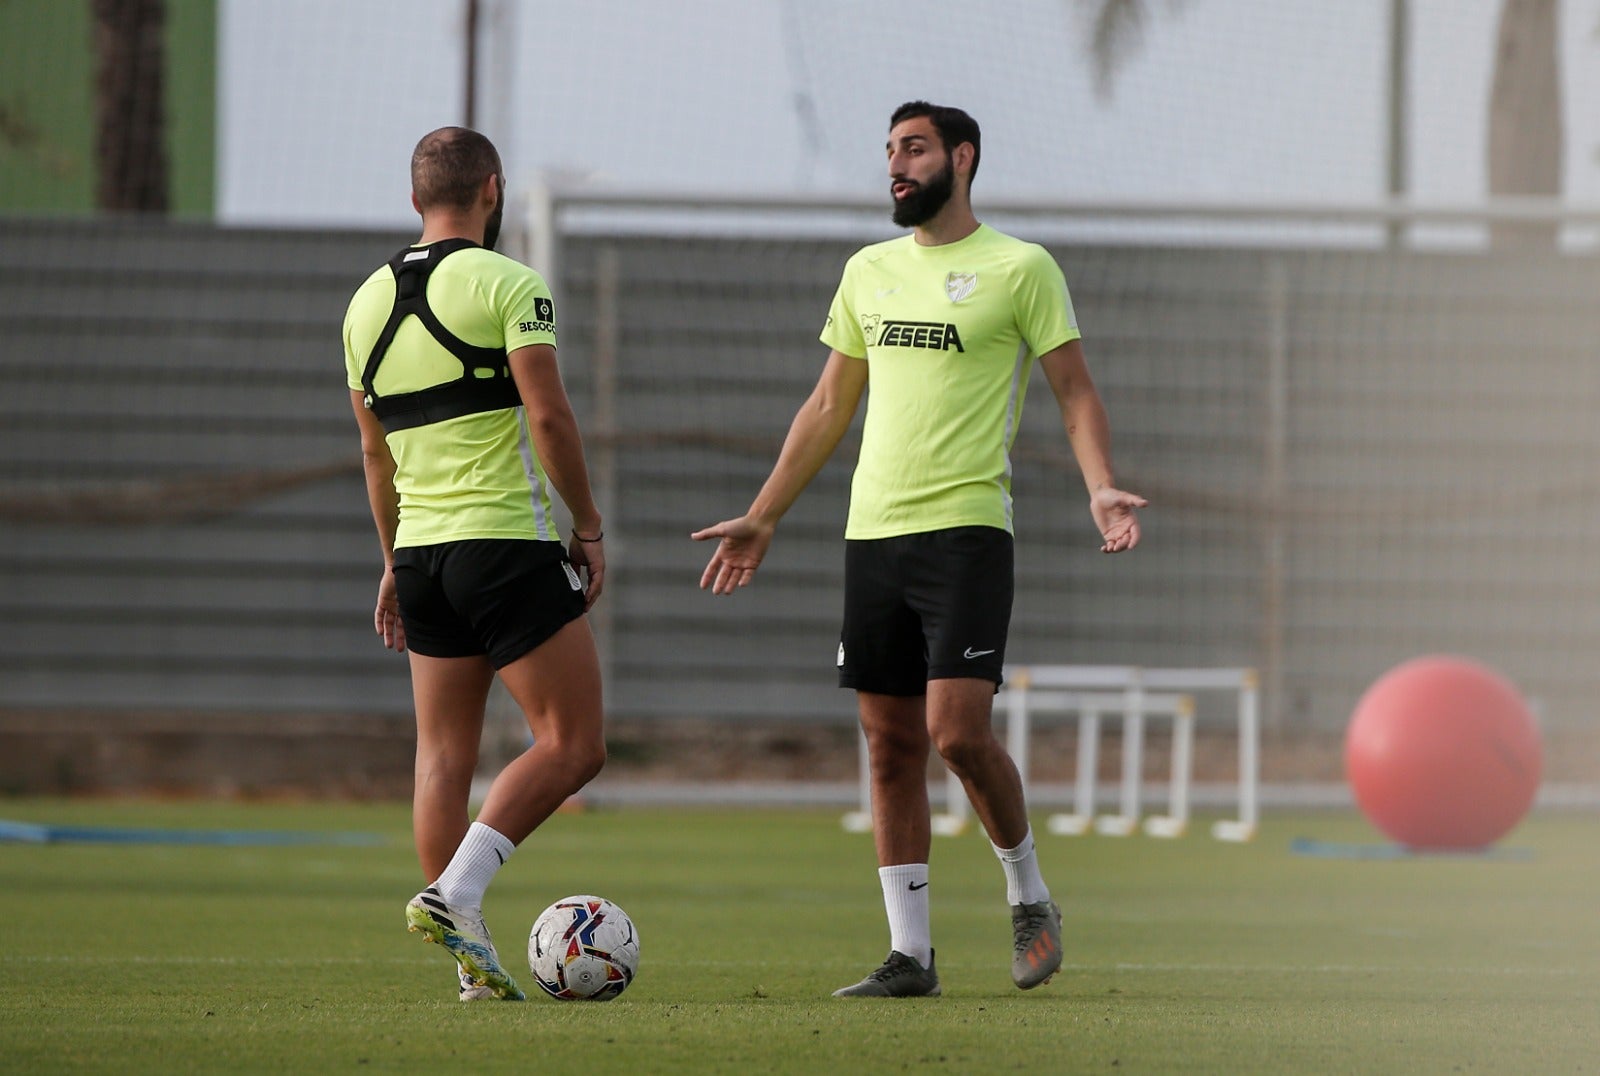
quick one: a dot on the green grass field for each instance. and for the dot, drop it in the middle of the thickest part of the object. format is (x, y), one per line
(1182, 956)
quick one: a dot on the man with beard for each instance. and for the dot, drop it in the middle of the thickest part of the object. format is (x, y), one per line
(450, 355)
(944, 324)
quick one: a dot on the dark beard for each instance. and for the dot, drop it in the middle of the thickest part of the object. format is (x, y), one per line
(491, 227)
(924, 203)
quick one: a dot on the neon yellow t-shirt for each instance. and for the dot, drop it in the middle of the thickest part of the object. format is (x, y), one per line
(949, 334)
(476, 476)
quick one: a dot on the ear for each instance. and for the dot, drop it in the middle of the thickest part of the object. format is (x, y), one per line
(961, 157)
(416, 204)
(489, 193)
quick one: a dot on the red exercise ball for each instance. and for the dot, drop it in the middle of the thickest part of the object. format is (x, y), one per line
(1442, 753)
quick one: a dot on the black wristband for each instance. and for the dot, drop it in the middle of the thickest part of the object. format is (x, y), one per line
(589, 541)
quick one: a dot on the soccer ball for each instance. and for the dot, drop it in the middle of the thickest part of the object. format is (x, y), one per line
(583, 948)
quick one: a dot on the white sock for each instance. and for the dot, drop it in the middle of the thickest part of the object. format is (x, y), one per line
(483, 851)
(1024, 883)
(905, 898)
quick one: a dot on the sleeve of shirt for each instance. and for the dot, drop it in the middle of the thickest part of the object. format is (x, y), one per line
(842, 332)
(1042, 304)
(527, 312)
(354, 364)
(364, 319)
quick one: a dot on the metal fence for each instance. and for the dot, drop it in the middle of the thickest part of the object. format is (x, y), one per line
(1354, 454)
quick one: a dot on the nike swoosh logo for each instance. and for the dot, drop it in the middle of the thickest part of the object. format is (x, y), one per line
(971, 653)
(887, 291)
(914, 886)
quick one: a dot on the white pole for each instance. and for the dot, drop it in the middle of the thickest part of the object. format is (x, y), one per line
(1176, 821)
(1182, 761)
(1018, 725)
(1082, 817)
(1126, 820)
(1088, 763)
(1249, 753)
(1244, 828)
(1133, 755)
(860, 821)
(540, 241)
(953, 820)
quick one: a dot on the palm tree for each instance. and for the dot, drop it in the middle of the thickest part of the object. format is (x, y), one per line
(1525, 121)
(1115, 29)
(1526, 136)
(130, 114)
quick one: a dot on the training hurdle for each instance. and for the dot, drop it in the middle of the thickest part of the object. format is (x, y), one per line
(1136, 707)
(1134, 694)
(1133, 704)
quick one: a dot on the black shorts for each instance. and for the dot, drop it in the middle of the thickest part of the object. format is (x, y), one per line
(925, 607)
(496, 596)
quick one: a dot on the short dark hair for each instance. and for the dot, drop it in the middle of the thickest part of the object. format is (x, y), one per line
(954, 126)
(449, 165)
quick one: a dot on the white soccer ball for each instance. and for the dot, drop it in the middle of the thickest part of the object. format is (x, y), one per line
(583, 948)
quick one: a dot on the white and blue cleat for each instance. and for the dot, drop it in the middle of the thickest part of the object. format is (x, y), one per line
(463, 933)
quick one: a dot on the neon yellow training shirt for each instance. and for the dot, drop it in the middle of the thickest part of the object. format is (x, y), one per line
(476, 476)
(949, 334)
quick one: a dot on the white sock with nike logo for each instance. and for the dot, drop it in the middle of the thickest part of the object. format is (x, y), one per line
(1024, 883)
(905, 898)
(482, 852)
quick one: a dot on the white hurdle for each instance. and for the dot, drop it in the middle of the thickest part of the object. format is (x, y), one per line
(1095, 692)
(1122, 824)
(1021, 703)
(1242, 681)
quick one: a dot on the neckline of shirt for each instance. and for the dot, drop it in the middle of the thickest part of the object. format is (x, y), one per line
(943, 249)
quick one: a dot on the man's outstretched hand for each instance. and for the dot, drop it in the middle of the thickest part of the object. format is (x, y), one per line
(1113, 511)
(742, 543)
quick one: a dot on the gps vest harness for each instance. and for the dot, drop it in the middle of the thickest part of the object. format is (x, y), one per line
(485, 383)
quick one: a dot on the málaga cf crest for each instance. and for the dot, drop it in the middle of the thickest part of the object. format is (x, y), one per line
(960, 285)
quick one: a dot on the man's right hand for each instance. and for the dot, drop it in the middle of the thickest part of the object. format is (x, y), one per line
(386, 616)
(590, 555)
(742, 544)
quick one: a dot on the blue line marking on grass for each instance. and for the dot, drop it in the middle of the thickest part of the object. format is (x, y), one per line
(1306, 846)
(37, 833)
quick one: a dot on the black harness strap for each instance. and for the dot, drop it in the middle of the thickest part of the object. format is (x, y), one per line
(485, 383)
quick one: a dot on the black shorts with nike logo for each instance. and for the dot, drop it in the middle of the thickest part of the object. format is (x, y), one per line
(496, 596)
(922, 607)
